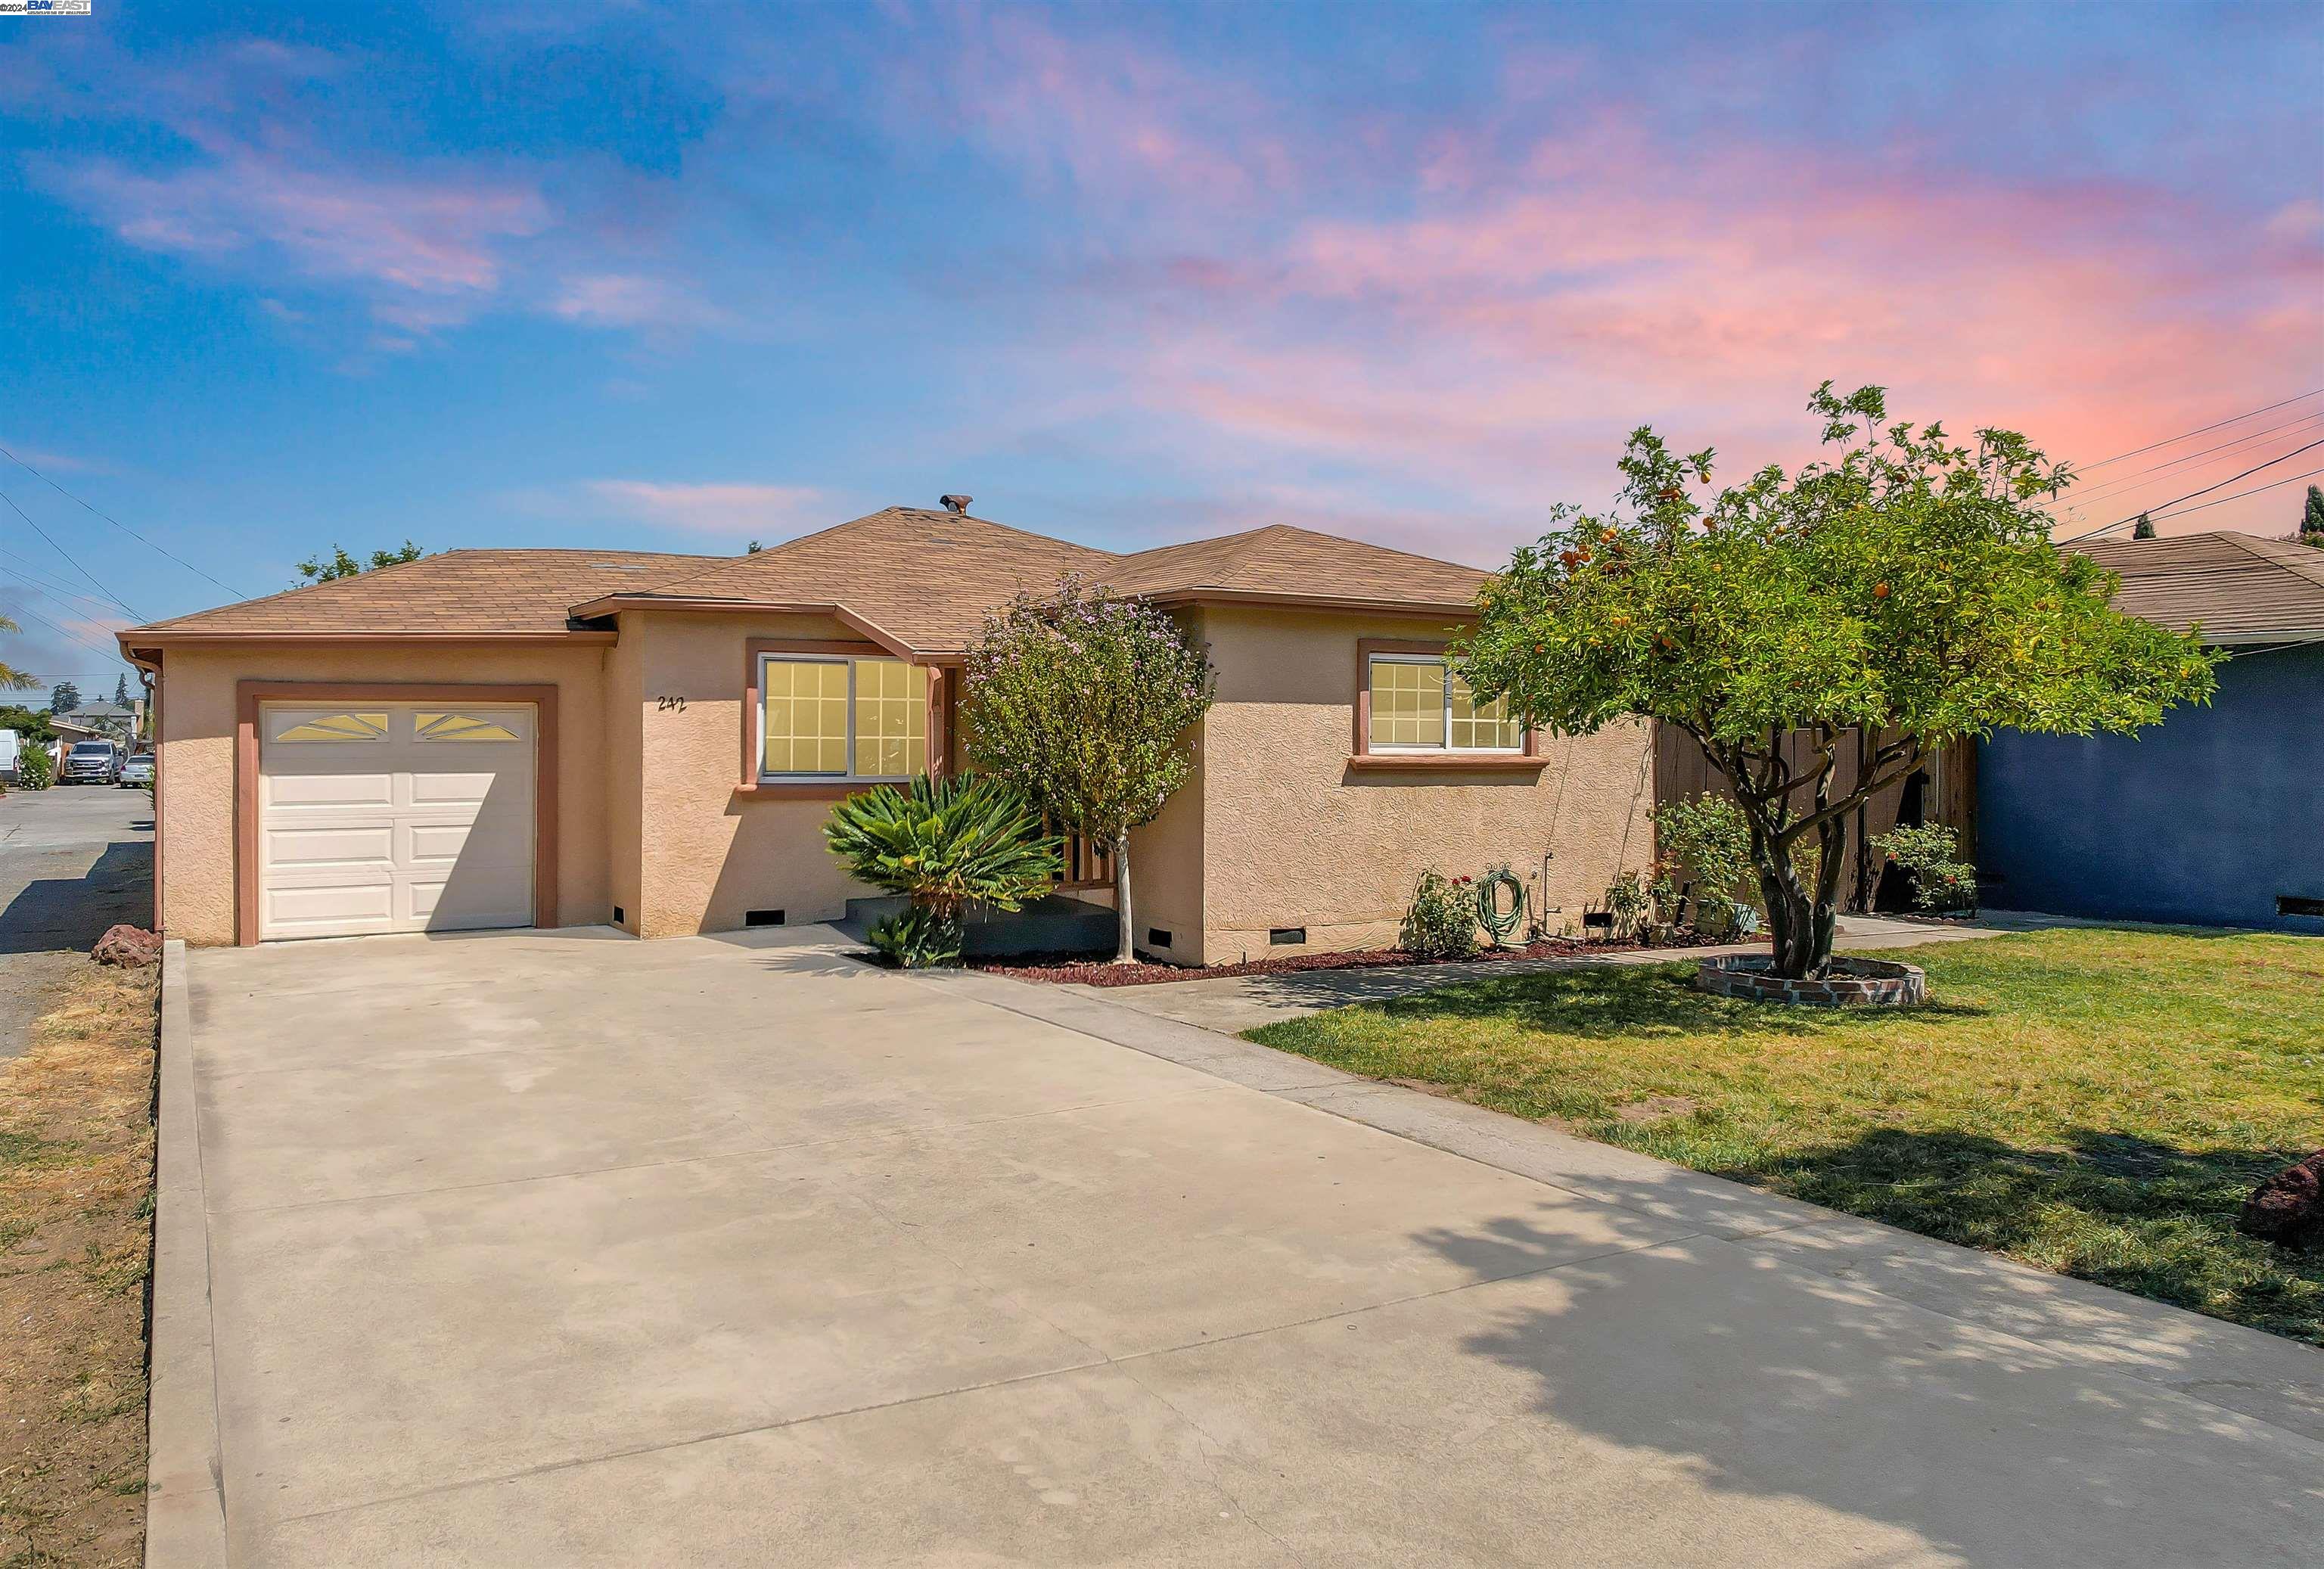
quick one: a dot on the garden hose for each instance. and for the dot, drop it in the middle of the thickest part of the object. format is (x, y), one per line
(1490, 914)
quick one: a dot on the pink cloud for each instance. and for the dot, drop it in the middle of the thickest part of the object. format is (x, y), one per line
(1499, 344)
(441, 237)
(738, 510)
(629, 300)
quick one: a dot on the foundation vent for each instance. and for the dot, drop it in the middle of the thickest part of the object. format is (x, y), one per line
(1282, 936)
(763, 918)
(2297, 904)
(1156, 937)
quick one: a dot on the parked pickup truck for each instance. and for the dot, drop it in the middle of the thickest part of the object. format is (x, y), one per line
(91, 762)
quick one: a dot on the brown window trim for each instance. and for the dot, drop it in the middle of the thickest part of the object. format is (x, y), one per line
(751, 785)
(249, 694)
(1529, 759)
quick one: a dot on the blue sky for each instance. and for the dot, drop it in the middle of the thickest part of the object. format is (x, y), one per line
(676, 278)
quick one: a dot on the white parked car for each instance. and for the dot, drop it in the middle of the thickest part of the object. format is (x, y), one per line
(138, 771)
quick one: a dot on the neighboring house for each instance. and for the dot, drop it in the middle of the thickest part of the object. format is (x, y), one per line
(2214, 816)
(110, 719)
(571, 738)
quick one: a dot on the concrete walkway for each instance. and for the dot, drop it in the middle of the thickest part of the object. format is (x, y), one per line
(1235, 1003)
(559, 1248)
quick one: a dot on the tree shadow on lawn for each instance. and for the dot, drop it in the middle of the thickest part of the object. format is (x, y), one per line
(1773, 1408)
(2120, 1210)
(1601, 1003)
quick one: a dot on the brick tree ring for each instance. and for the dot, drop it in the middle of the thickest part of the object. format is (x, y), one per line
(1851, 983)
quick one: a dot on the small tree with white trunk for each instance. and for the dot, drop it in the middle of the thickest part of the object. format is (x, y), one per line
(1086, 701)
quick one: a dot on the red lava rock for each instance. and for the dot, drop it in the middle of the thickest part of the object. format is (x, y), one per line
(1060, 969)
(130, 947)
(2288, 1207)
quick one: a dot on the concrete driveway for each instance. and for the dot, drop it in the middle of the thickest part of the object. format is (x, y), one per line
(564, 1249)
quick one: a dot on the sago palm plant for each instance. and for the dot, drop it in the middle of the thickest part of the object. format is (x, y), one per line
(944, 843)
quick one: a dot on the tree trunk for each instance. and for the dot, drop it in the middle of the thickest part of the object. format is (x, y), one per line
(1124, 953)
(1803, 920)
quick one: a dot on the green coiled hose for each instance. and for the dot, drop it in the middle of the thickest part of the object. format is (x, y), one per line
(1489, 915)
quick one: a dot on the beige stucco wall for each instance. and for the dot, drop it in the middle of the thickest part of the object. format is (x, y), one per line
(196, 759)
(708, 852)
(1290, 836)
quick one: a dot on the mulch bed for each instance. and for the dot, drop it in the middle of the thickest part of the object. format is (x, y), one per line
(1099, 970)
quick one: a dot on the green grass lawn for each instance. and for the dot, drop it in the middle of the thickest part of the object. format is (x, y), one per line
(2090, 1101)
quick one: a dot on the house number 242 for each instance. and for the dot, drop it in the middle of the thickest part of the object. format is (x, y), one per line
(670, 704)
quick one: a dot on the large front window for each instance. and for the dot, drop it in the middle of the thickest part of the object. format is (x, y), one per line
(1419, 703)
(823, 717)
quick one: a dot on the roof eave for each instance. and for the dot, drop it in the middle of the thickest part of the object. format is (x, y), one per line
(870, 630)
(157, 638)
(1459, 609)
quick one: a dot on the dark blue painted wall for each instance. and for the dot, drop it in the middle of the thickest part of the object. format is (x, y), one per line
(2205, 819)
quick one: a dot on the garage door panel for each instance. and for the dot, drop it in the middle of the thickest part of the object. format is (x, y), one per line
(287, 849)
(346, 909)
(392, 830)
(435, 790)
(331, 789)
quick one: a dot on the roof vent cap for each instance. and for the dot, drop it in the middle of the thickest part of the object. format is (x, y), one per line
(957, 504)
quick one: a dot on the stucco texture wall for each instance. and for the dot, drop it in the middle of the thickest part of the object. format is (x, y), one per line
(1291, 837)
(708, 852)
(196, 759)
(2206, 819)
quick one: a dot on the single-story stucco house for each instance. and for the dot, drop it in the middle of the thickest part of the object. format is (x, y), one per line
(2215, 817)
(560, 737)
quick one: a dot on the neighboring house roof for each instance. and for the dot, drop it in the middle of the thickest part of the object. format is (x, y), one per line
(456, 593)
(2238, 588)
(104, 711)
(917, 580)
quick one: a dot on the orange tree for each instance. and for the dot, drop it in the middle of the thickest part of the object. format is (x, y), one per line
(1900, 596)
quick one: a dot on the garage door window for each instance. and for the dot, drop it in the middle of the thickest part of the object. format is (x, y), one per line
(440, 726)
(336, 727)
(842, 719)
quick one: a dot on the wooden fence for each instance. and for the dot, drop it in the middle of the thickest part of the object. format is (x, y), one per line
(1944, 788)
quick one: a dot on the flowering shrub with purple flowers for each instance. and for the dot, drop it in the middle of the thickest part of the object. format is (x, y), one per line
(1084, 701)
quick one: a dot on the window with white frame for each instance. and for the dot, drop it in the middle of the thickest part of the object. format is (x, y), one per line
(821, 716)
(1419, 703)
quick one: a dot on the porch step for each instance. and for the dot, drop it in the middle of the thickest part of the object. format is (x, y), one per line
(1056, 923)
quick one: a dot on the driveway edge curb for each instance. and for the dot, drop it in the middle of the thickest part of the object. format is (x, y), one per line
(185, 1497)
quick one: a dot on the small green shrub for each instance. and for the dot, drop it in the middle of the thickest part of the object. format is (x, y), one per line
(1940, 882)
(1631, 905)
(1706, 843)
(944, 843)
(1441, 923)
(33, 768)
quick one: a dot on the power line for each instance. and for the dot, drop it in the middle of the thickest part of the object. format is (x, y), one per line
(68, 636)
(2271, 485)
(2127, 482)
(2207, 490)
(117, 523)
(50, 584)
(60, 550)
(2183, 436)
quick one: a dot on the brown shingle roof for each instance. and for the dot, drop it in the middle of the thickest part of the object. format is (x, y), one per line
(922, 579)
(2238, 588)
(492, 593)
(928, 578)
(1280, 560)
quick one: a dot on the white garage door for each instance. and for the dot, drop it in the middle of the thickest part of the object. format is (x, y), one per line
(393, 817)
